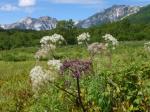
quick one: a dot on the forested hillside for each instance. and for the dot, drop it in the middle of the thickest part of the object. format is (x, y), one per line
(143, 16)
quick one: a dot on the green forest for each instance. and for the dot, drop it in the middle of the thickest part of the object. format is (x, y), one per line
(122, 30)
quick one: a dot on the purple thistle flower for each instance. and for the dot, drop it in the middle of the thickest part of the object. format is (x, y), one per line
(77, 67)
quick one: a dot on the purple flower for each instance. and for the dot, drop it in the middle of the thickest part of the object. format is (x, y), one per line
(77, 67)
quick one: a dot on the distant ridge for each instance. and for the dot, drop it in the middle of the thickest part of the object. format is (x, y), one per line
(42, 23)
(112, 14)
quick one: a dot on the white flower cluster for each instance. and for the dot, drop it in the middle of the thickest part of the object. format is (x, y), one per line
(44, 40)
(147, 46)
(38, 78)
(41, 53)
(84, 37)
(56, 64)
(48, 43)
(111, 40)
(56, 38)
(96, 48)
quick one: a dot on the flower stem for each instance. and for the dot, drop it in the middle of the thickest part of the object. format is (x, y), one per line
(79, 96)
(110, 59)
(63, 89)
(52, 53)
(86, 43)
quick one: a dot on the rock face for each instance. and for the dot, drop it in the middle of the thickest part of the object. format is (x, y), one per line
(42, 23)
(112, 14)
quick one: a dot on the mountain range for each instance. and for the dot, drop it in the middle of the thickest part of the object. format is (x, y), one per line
(112, 14)
(42, 23)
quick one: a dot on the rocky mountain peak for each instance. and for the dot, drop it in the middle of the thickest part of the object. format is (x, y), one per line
(114, 13)
(45, 18)
(42, 23)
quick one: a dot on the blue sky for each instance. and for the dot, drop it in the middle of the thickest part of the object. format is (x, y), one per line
(14, 10)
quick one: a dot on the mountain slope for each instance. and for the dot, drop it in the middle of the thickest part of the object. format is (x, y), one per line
(42, 23)
(112, 14)
(143, 16)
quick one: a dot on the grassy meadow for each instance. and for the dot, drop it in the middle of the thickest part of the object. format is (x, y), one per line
(124, 87)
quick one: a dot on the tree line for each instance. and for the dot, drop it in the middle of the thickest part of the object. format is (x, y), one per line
(122, 30)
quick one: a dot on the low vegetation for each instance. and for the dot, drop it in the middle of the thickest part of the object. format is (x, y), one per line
(120, 88)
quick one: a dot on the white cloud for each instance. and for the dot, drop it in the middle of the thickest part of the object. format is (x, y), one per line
(26, 3)
(77, 1)
(8, 7)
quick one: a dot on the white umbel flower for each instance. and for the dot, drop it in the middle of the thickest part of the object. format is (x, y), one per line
(48, 47)
(56, 64)
(48, 44)
(111, 40)
(84, 37)
(41, 53)
(96, 48)
(38, 78)
(44, 40)
(56, 38)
